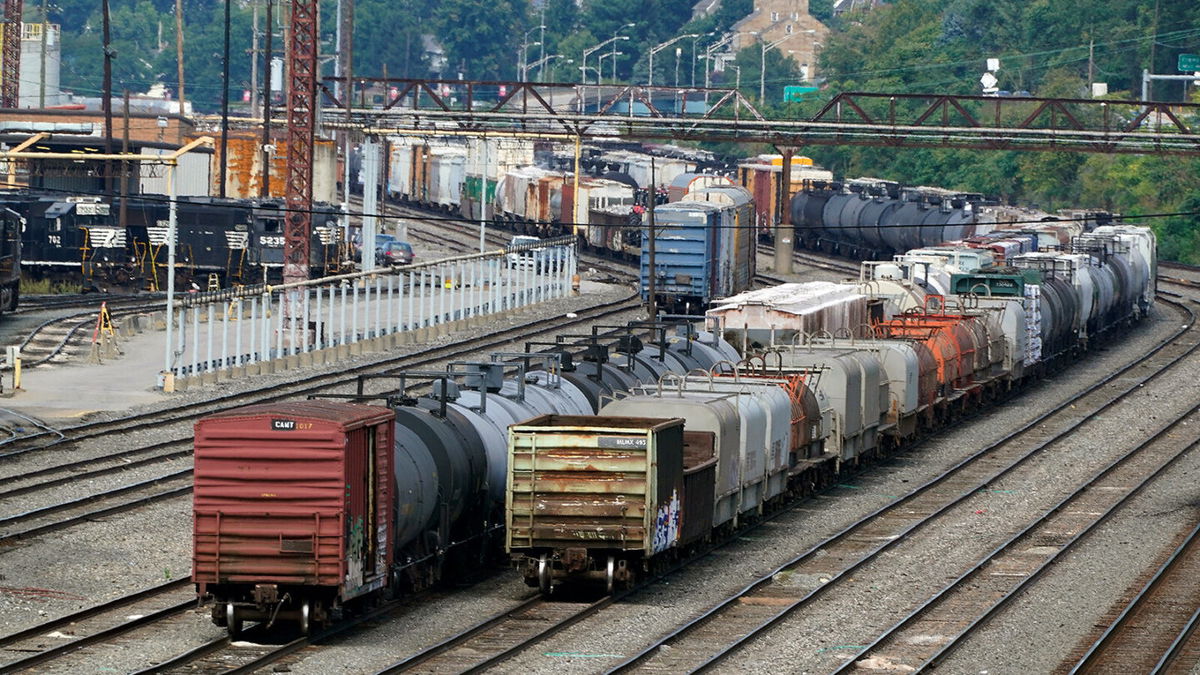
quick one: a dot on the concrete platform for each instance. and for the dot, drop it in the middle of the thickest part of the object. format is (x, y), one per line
(65, 393)
(62, 393)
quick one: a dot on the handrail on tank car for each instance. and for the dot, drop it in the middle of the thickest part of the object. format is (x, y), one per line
(628, 328)
(734, 368)
(550, 361)
(402, 391)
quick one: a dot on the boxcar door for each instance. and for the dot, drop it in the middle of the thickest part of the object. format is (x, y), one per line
(360, 511)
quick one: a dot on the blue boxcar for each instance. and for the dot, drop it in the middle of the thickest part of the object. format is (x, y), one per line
(704, 250)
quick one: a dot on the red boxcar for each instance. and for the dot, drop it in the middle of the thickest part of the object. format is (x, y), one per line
(292, 510)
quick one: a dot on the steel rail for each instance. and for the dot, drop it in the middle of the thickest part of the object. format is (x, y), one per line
(125, 624)
(863, 523)
(97, 637)
(498, 656)
(82, 614)
(1166, 663)
(75, 473)
(1113, 634)
(10, 537)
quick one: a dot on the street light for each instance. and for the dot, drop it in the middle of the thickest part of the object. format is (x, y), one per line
(708, 55)
(599, 68)
(762, 68)
(614, 54)
(661, 46)
(522, 66)
(541, 62)
(614, 47)
(694, 41)
(593, 50)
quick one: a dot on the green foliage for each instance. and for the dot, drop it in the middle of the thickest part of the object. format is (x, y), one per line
(940, 46)
(481, 39)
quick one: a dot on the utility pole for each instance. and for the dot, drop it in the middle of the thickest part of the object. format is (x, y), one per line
(264, 190)
(345, 64)
(651, 276)
(1091, 64)
(1153, 45)
(303, 43)
(783, 232)
(542, 40)
(124, 214)
(225, 106)
(107, 94)
(254, 107)
(42, 65)
(179, 52)
(10, 54)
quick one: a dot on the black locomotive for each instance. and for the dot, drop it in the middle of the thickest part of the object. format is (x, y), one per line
(79, 238)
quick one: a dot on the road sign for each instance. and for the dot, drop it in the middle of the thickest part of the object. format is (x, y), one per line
(1189, 62)
(989, 82)
(796, 92)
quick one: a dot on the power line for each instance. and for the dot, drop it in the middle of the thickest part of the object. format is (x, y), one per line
(163, 199)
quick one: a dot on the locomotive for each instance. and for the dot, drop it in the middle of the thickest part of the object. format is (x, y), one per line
(80, 238)
(10, 259)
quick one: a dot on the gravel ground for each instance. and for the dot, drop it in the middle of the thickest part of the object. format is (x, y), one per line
(141, 648)
(75, 489)
(102, 560)
(1085, 582)
(951, 545)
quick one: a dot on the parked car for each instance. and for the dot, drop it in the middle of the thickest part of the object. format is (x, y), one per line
(524, 258)
(381, 240)
(395, 253)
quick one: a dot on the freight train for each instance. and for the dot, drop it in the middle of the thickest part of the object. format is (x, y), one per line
(532, 190)
(79, 238)
(605, 456)
(866, 218)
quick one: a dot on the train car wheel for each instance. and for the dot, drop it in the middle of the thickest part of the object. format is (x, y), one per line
(610, 571)
(233, 625)
(545, 575)
(305, 617)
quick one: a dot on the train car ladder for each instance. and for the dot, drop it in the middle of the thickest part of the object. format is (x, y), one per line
(214, 281)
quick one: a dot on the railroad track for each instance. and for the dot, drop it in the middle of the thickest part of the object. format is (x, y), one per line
(969, 601)
(178, 483)
(742, 618)
(40, 303)
(96, 624)
(56, 337)
(1156, 631)
(492, 641)
(463, 240)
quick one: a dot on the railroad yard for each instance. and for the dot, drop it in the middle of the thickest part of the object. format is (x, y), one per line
(429, 373)
(941, 534)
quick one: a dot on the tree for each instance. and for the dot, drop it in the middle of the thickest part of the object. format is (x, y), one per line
(481, 39)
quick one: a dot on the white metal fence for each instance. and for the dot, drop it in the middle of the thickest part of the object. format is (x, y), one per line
(247, 331)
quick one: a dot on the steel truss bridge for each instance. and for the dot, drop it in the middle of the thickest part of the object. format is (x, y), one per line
(556, 111)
